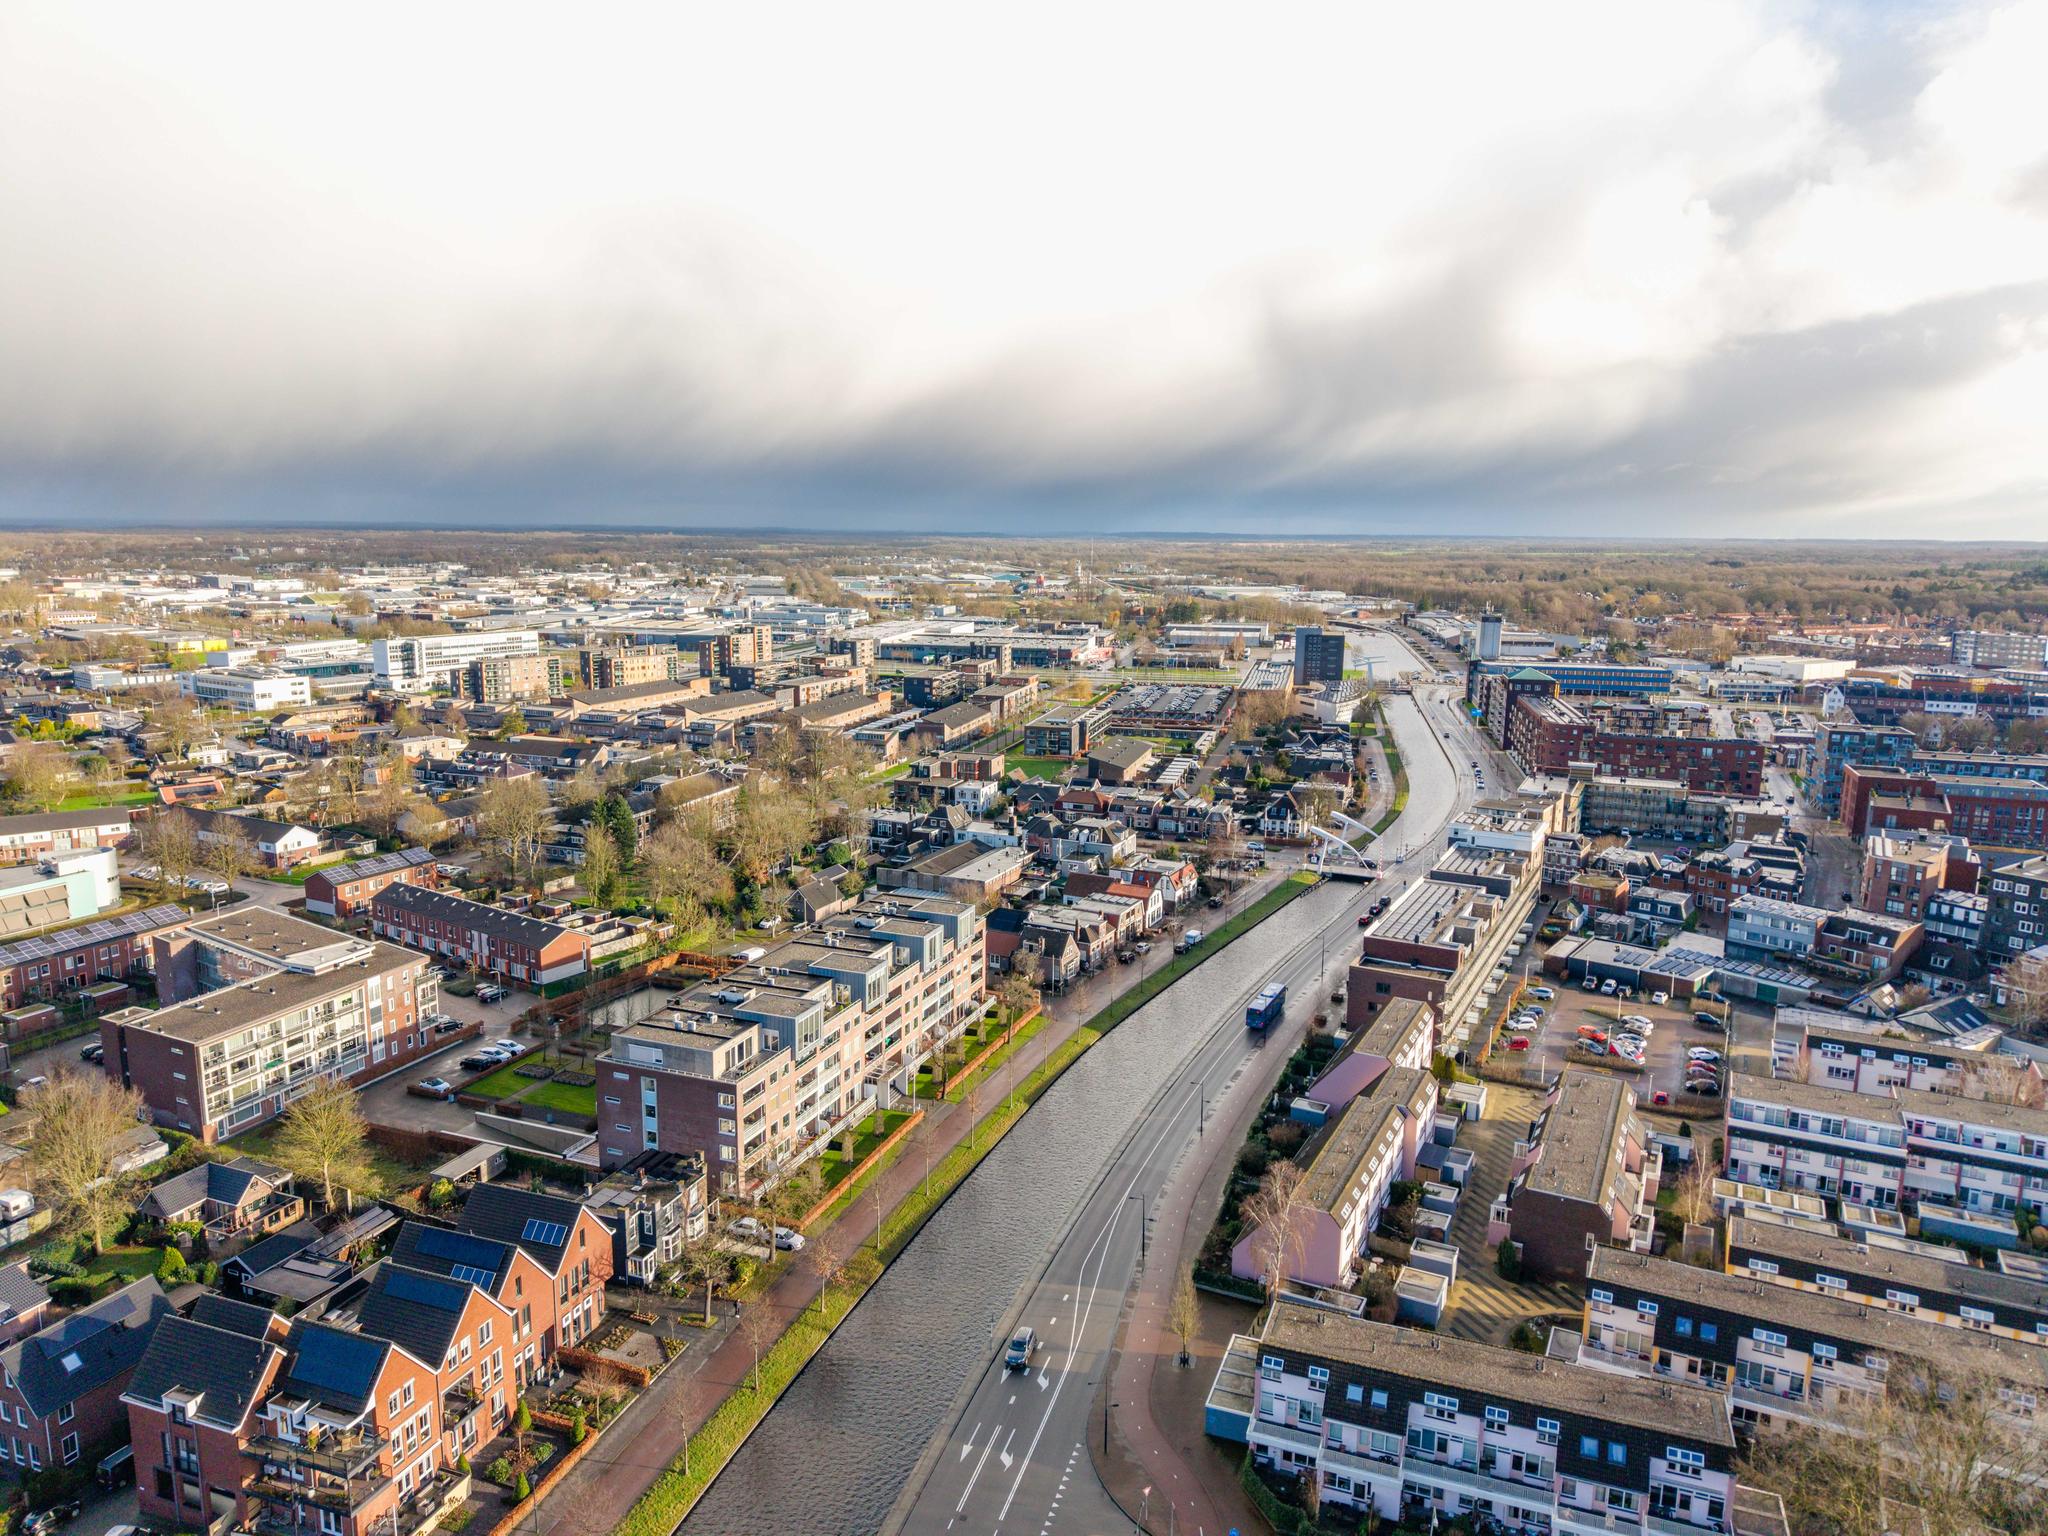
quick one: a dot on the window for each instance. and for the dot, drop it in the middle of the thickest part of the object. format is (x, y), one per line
(1831, 1282)
(405, 1397)
(1496, 1418)
(483, 1337)
(1354, 1393)
(1272, 1367)
(1682, 1326)
(1589, 1447)
(1437, 1406)
(1546, 1431)
(1709, 1332)
(70, 1448)
(1685, 1463)
(1646, 1309)
(66, 1413)
(1379, 1397)
(1603, 1296)
(1976, 1317)
(1762, 1267)
(1318, 1376)
(1823, 1351)
(1617, 1453)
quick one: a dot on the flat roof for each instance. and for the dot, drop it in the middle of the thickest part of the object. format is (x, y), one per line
(228, 1009)
(1579, 1132)
(1443, 1360)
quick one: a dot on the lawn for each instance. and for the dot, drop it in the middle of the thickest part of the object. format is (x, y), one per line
(563, 1098)
(92, 802)
(1051, 768)
(127, 1261)
(394, 1171)
(873, 1131)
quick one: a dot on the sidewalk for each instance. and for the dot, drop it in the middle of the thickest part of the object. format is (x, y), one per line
(595, 1495)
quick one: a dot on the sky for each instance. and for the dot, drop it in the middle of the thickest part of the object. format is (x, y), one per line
(1623, 269)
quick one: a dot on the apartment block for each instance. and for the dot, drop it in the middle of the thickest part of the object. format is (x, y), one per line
(262, 1007)
(754, 1071)
(1420, 1427)
(1838, 747)
(1935, 1284)
(1994, 650)
(508, 679)
(1782, 1356)
(468, 935)
(1875, 1056)
(2016, 916)
(1442, 938)
(1318, 655)
(1586, 1175)
(1864, 947)
(1903, 875)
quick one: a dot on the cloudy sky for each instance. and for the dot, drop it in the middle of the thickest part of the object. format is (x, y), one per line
(1625, 268)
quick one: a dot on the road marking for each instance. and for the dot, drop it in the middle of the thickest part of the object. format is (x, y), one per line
(1100, 1249)
(968, 1444)
(976, 1474)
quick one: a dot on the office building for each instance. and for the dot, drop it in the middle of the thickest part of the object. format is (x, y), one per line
(1318, 655)
(247, 690)
(1992, 651)
(426, 663)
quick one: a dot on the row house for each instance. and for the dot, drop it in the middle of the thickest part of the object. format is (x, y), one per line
(1017, 935)
(49, 834)
(468, 935)
(655, 1204)
(1904, 876)
(1418, 1427)
(1782, 1356)
(352, 1425)
(1585, 1175)
(61, 1385)
(261, 1007)
(1876, 1056)
(346, 890)
(1125, 915)
(276, 844)
(1347, 1176)
(49, 965)
(1934, 1284)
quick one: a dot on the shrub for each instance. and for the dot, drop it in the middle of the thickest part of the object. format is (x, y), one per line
(441, 1194)
(462, 1465)
(523, 1489)
(500, 1471)
(543, 1452)
(1508, 1260)
(72, 1291)
(170, 1269)
(579, 1427)
(522, 1418)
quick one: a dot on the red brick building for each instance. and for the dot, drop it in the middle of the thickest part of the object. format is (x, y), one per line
(1548, 735)
(427, 1369)
(29, 839)
(344, 890)
(113, 949)
(60, 1388)
(510, 946)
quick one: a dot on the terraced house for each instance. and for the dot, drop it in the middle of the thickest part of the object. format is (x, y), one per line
(353, 1424)
(508, 946)
(1419, 1427)
(60, 1387)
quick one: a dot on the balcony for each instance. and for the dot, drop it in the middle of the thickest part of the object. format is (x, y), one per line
(1596, 1522)
(343, 1454)
(1360, 1463)
(1672, 1525)
(1470, 1479)
(343, 1497)
(1293, 1436)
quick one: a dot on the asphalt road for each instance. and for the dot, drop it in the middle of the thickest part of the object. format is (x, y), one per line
(1013, 1456)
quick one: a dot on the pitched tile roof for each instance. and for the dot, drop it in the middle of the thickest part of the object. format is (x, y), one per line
(227, 1182)
(538, 1223)
(224, 1370)
(20, 1292)
(333, 1366)
(233, 1316)
(416, 1310)
(88, 1349)
(458, 1255)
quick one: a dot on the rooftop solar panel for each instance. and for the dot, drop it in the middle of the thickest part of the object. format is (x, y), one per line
(550, 1232)
(69, 940)
(340, 1362)
(427, 1290)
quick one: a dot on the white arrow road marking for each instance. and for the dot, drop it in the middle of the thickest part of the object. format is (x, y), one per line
(968, 1444)
(976, 1474)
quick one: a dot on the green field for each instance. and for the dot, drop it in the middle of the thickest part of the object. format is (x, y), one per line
(94, 802)
(563, 1099)
(1052, 769)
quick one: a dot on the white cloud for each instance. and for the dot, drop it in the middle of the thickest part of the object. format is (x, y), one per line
(1497, 255)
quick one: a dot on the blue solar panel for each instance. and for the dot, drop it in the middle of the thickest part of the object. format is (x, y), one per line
(339, 1362)
(550, 1232)
(480, 1277)
(459, 1248)
(428, 1290)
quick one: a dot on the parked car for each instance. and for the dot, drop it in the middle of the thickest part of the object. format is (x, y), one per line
(789, 1240)
(116, 1469)
(1591, 984)
(1522, 1027)
(1711, 1090)
(1607, 987)
(1660, 998)
(483, 1061)
(1543, 992)
(436, 1088)
(1519, 1043)
(748, 1230)
(1660, 1097)
(92, 1052)
(1703, 1053)
(491, 992)
(1023, 1345)
(1645, 1024)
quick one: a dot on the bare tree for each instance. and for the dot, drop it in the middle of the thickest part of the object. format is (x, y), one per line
(758, 1330)
(72, 1148)
(602, 872)
(1692, 1197)
(325, 1138)
(513, 821)
(1017, 994)
(228, 852)
(1274, 1212)
(705, 1262)
(1183, 1311)
(169, 840)
(1948, 1455)
(36, 776)
(826, 1255)
(679, 861)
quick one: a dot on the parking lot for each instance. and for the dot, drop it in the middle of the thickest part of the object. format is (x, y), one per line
(388, 1103)
(1664, 1061)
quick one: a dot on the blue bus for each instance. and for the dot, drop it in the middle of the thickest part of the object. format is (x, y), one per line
(1267, 1007)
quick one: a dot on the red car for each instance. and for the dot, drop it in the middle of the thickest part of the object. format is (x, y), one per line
(1660, 1097)
(1519, 1043)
